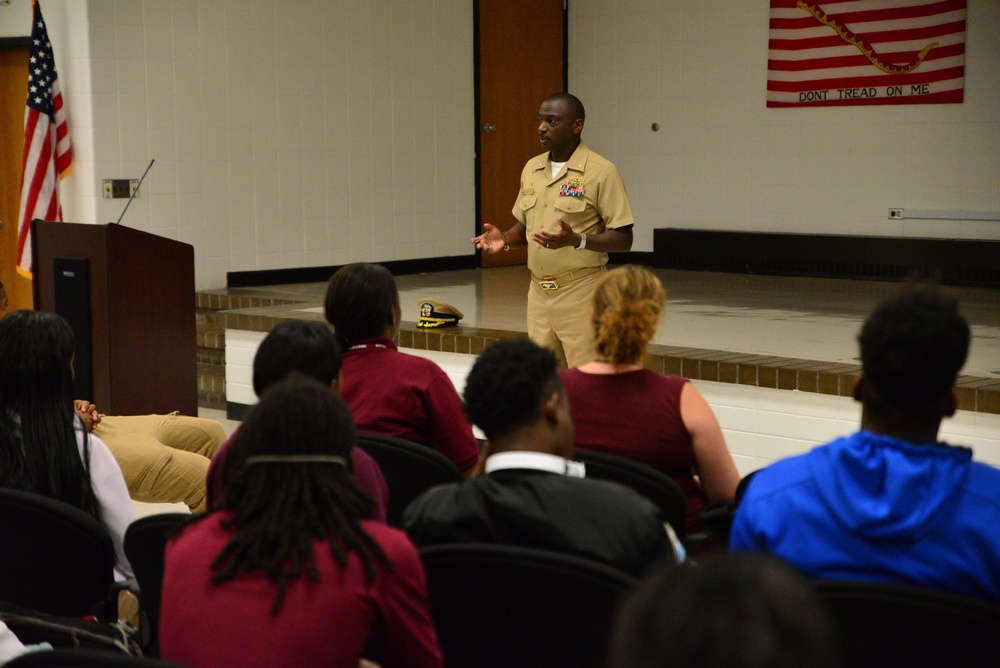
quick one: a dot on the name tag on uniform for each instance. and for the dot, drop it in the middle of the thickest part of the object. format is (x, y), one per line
(527, 190)
(548, 285)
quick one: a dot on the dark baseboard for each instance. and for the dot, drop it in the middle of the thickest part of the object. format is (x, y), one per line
(643, 258)
(951, 261)
(250, 279)
(236, 411)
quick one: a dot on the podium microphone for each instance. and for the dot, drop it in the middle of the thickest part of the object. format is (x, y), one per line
(132, 196)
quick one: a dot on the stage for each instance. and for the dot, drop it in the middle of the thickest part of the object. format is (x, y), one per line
(776, 356)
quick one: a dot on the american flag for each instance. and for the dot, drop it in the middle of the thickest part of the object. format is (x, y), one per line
(47, 151)
(848, 52)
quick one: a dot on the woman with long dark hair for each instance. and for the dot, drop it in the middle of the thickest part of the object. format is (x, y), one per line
(285, 570)
(44, 447)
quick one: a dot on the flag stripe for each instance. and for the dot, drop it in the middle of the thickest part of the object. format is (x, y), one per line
(807, 39)
(940, 55)
(881, 13)
(868, 81)
(779, 56)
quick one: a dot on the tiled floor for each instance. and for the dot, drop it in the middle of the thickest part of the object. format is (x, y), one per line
(804, 318)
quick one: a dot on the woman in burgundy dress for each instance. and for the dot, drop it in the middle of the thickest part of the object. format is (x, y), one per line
(623, 409)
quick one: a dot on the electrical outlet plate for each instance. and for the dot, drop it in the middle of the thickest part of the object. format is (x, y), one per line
(895, 214)
(119, 188)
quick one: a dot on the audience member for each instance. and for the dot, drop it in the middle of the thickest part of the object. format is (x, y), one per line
(311, 349)
(533, 494)
(285, 571)
(389, 392)
(164, 458)
(744, 611)
(44, 447)
(889, 503)
(623, 409)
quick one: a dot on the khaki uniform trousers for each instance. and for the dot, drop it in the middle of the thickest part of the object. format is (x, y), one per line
(164, 458)
(560, 319)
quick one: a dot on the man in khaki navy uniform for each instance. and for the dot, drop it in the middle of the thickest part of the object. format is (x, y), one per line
(572, 211)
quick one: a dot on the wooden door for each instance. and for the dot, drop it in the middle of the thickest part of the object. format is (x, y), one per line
(13, 93)
(522, 60)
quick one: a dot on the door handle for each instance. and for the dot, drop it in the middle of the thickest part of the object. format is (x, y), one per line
(489, 127)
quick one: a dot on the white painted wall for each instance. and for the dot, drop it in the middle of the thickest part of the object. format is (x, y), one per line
(723, 160)
(291, 133)
(286, 133)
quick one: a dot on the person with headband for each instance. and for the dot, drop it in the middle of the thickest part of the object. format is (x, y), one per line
(285, 570)
(311, 349)
(621, 408)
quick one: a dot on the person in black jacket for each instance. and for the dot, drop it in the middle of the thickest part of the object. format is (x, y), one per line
(533, 494)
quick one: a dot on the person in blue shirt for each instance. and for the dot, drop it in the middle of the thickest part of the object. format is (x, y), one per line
(889, 503)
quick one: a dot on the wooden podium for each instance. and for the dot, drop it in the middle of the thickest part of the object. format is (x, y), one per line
(129, 297)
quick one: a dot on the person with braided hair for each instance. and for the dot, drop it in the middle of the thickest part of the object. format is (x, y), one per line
(311, 349)
(621, 408)
(533, 494)
(285, 570)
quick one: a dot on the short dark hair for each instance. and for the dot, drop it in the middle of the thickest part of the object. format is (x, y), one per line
(572, 102)
(740, 611)
(359, 301)
(309, 348)
(912, 347)
(508, 385)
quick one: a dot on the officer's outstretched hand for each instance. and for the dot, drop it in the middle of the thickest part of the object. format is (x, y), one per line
(491, 240)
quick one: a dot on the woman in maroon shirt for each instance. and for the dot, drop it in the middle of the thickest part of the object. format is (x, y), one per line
(622, 409)
(285, 571)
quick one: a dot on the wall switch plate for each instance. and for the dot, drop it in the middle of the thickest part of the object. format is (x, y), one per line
(895, 214)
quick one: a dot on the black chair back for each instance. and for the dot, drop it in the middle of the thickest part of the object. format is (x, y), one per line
(899, 625)
(496, 606)
(54, 558)
(410, 469)
(145, 540)
(649, 482)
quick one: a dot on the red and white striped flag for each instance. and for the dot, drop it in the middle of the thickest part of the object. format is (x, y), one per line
(48, 155)
(845, 52)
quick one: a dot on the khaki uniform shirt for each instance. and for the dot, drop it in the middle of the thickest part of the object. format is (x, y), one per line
(588, 194)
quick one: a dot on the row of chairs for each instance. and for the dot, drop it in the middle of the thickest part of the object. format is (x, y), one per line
(411, 469)
(493, 605)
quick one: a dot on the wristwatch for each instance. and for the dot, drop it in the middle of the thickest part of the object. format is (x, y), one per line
(506, 246)
(583, 241)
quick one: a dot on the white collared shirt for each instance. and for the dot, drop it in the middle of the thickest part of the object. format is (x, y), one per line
(536, 461)
(540, 461)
